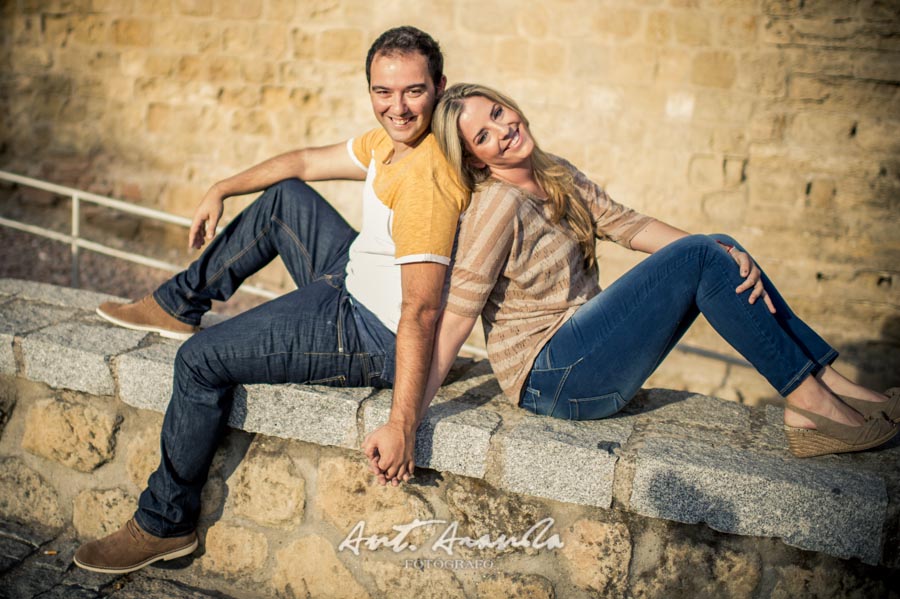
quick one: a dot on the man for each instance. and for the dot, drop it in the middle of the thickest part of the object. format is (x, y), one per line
(355, 291)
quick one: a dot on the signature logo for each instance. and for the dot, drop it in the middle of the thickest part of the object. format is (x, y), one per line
(536, 537)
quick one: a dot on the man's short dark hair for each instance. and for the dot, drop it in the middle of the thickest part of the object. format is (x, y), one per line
(406, 40)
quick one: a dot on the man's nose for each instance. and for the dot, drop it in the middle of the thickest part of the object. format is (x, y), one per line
(398, 104)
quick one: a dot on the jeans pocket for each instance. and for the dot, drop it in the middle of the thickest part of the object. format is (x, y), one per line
(529, 399)
(375, 364)
(596, 407)
(332, 381)
(543, 388)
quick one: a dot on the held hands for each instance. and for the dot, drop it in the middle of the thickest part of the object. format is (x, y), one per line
(753, 278)
(206, 218)
(390, 452)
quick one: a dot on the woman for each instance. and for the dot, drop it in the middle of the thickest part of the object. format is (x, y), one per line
(559, 346)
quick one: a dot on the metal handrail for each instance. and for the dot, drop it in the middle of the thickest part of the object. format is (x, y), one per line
(77, 196)
(77, 243)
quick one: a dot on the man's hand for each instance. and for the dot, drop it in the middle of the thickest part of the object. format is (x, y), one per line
(390, 451)
(309, 164)
(206, 218)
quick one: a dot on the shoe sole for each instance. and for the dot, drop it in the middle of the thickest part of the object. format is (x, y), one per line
(136, 327)
(809, 443)
(174, 554)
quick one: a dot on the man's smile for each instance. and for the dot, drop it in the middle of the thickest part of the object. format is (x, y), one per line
(398, 121)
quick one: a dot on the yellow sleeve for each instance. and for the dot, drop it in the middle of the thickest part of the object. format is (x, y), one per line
(361, 147)
(426, 212)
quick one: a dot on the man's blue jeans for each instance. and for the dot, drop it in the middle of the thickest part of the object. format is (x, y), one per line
(315, 334)
(600, 357)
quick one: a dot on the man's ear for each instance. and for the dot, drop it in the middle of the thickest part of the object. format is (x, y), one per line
(475, 162)
(440, 87)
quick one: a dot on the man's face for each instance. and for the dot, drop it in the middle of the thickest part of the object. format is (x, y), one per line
(403, 97)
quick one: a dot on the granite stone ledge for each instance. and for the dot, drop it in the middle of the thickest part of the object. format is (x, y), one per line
(145, 375)
(477, 384)
(454, 437)
(809, 505)
(564, 460)
(79, 299)
(316, 414)
(55, 295)
(20, 317)
(684, 408)
(75, 355)
(771, 434)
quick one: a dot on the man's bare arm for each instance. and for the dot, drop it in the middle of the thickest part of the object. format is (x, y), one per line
(391, 447)
(309, 164)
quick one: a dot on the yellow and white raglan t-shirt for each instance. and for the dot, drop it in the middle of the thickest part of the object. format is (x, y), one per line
(411, 209)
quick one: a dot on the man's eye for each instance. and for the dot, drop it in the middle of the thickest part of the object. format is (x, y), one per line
(415, 92)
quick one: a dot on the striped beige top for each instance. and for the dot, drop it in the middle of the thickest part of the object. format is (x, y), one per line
(524, 275)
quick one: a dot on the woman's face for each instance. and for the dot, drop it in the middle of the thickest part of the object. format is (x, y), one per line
(494, 134)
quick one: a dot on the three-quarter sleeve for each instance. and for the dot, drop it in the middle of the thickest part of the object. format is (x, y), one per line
(612, 220)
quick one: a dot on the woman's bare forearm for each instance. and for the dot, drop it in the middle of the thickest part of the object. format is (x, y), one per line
(656, 236)
(452, 331)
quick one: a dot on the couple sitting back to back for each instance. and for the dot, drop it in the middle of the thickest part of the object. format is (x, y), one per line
(367, 310)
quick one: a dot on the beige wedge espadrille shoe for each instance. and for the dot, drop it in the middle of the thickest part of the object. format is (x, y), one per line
(870, 409)
(833, 437)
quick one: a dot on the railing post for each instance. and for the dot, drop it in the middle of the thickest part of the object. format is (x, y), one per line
(76, 231)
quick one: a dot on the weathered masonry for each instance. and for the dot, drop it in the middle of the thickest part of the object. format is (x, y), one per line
(682, 496)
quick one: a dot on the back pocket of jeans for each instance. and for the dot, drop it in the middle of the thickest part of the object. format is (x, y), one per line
(530, 399)
(546, 383)
(594, 408)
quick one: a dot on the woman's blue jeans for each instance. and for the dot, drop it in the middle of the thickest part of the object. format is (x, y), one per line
(600, 357)
(315, 334)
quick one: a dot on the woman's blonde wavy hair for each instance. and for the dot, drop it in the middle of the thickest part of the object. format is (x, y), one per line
(554, 178)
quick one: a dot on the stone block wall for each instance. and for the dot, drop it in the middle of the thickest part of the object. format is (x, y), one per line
(773, 120)
(277, 512)
(635, 501)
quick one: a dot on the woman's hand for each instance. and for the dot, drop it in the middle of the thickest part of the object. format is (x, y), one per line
(753, 278)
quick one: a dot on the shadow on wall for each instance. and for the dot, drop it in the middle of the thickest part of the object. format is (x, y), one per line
(877, 361)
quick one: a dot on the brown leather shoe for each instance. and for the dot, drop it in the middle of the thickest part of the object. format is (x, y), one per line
(146, 315)
(131, 548)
